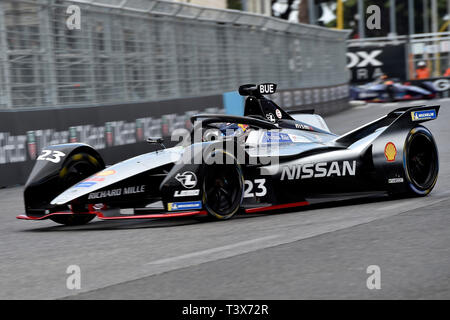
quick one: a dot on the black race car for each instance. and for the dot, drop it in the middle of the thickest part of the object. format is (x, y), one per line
(267, 159)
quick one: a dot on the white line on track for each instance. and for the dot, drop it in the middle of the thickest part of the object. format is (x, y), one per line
(417, 203)
(389, 105)
(417, 102)
(212, 250)
(355, 103)
(392, 206)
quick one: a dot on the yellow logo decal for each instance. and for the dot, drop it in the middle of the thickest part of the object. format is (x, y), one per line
(390, 151)
(105, 173)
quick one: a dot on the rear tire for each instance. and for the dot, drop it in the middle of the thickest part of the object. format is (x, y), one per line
(223, 188)
(421, 161)
(76, 168)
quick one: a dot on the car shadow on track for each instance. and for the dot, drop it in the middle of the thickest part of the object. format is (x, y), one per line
(99, 225)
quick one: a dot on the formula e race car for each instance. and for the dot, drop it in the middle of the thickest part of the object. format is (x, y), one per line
(267, 159)
(383, 90)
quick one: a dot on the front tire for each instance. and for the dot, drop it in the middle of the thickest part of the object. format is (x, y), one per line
(76, 168)
(223, 188)
(77, 219)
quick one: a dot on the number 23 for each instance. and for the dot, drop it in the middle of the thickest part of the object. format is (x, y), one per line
(260, 191)
(51, 155)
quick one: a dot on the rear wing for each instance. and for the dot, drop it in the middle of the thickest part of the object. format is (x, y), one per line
(406, 117)
(417, 114)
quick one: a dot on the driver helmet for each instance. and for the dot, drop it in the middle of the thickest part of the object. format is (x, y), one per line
(235, 128)
(421, 64)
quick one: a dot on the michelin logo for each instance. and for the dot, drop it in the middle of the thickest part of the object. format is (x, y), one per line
(423, 115)
(176, 206)
(319, 170)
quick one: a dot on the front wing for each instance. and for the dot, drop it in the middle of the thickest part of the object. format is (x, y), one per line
(163, 215)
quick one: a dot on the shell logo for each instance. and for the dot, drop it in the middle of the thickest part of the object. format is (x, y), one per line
(390, 151)
(105, 173)
(243, 126)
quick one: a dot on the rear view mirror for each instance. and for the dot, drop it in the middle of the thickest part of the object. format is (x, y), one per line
(247, 89)
(157, 140)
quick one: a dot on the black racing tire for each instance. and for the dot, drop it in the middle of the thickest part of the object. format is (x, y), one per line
(77, 167)
(391, 93)
(421, 162)
(223, 187)
(76, 219)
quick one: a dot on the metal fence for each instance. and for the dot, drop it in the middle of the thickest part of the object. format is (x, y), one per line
(148, 50)
(432, 48)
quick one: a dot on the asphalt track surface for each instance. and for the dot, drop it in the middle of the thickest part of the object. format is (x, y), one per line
(315, 253)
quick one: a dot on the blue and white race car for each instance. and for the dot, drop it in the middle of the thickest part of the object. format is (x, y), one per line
(382, 90)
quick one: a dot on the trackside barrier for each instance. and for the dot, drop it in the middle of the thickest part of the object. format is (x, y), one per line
(146, 50)
(116, 131)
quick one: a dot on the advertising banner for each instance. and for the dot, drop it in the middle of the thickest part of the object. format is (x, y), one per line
(367, 63)
(116, 131)
(441, 85)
